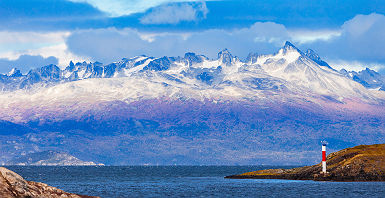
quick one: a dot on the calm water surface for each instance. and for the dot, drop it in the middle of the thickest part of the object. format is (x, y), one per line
(187, 181)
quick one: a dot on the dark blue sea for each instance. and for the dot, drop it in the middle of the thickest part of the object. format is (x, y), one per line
(187, 181)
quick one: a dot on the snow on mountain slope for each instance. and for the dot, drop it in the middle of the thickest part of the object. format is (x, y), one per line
(295, 67)
(368, 78)
(288, 75)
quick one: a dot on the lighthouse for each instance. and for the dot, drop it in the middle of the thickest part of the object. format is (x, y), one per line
(324, 143)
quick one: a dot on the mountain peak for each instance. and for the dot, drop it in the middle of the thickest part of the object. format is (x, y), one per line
(368, 71)
(15, 73)
(192, 58)
(225, 57)
(252, 57)
(290, 47)
(224, 52)
(288, 44)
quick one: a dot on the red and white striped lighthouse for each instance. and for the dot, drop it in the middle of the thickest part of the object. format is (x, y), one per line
(324, 143)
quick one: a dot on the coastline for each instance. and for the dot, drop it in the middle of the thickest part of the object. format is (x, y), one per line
(356, 164)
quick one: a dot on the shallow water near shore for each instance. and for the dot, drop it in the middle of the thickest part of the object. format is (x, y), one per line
(187, 181)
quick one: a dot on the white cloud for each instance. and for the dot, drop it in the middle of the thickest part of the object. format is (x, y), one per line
(349, 46)
(48, 44)
(361, 43)
(304, 36)
(7, 37)
(126, 7)
(361, 24)
(175, 13)
(59, 51)
(111, 44)
(20, 41)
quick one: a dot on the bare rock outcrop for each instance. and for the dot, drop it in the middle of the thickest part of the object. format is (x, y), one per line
(13, 185)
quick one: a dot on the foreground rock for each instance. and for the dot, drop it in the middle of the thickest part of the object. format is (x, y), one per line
(13, 185)
(360, 163)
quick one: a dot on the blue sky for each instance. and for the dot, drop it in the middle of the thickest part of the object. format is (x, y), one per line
(346, 33)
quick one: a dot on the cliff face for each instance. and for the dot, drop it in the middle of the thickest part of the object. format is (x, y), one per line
(13, 185)
(360, 163)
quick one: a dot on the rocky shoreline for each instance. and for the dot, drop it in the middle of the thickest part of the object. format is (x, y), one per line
(360, 163)
(13, 185)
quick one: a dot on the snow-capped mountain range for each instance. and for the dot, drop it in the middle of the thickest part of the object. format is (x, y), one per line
(289, 73)
(305, 70)
(191, 109)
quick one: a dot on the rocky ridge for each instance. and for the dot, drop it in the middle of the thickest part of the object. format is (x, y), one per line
(360, 163)
(13, 185)
(368, 78)
(190, 68)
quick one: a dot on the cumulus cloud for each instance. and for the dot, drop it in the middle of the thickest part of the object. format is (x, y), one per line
(175, 13)
(111, 44)
(361, 42)
(40, 46)
(357, 44)
(126, 7)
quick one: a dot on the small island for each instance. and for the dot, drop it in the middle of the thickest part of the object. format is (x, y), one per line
(49, 158)
(360, 163)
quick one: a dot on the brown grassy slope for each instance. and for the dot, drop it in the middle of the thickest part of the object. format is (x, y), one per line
(360, 163)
